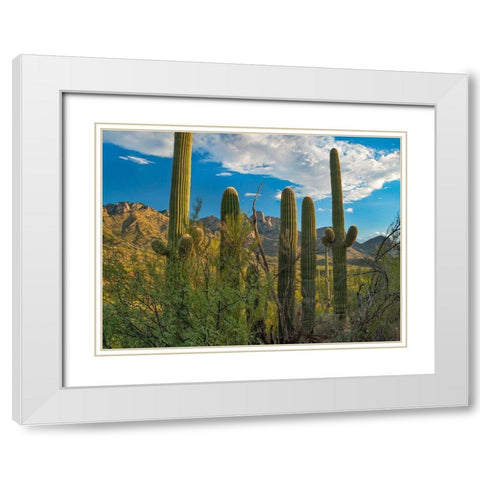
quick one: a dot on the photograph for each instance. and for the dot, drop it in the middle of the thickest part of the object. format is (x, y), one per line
(240, 238)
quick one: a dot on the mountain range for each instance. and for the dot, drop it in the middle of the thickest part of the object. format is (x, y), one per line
(137, 224)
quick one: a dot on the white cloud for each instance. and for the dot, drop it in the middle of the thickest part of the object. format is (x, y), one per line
(250, 194)
(138, 160)
(349, 210)
(224, 174)
(320, 209)
(303, 161)
(159, 144)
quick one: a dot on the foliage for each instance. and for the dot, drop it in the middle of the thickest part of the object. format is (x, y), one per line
(149, 302)
(377, 315)
(145, 308)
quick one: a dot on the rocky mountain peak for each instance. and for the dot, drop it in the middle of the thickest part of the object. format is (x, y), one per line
(260, 217)
(123, 207)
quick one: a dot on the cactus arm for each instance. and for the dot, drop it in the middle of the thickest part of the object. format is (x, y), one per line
(328, 237)
(185, 246)
(351, 236)
(159, 246)
(197, 234)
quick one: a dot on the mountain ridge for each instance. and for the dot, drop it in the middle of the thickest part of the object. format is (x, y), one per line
(138, 224)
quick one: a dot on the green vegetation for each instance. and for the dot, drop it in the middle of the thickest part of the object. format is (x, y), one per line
(170, 280)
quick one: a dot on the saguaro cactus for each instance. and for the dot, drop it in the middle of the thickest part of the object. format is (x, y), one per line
(179, 195)
(229, 267)
(180, 188)
(308, 263)
(229, 215)
(287, 252)
(336, 238)
(230, 207)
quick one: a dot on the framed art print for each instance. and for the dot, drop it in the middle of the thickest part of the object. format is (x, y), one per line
(198, 240)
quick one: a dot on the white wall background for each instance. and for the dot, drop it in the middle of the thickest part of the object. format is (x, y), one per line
(406, 35)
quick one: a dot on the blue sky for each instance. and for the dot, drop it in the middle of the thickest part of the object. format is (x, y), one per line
(137, 168)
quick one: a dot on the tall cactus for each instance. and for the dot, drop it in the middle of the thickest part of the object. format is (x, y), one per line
(308, 263)
(230, 207)
(229, 215)
(179, 195)
(229, 304)
(336, 238)
(287, 252)
(180, 188)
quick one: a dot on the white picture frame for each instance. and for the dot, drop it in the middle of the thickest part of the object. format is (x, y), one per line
(39, 395)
